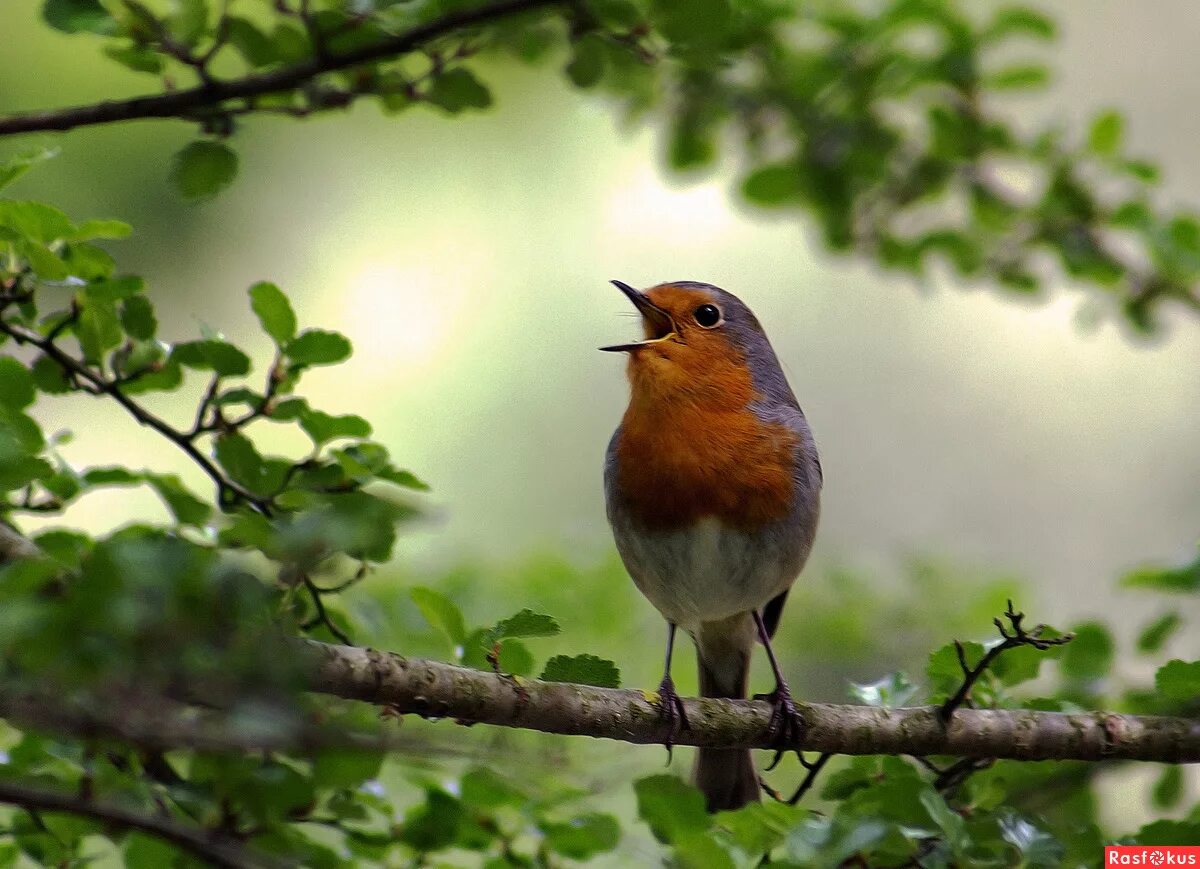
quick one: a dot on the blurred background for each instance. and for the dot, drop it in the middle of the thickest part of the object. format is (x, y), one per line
(973, 446)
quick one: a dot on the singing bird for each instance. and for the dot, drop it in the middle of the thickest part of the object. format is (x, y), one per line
(712, 486)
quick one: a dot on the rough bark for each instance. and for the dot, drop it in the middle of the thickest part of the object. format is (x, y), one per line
(434, 689)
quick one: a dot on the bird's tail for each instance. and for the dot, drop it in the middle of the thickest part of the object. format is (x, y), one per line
(727, 777)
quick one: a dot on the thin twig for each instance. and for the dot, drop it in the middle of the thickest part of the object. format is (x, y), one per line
(1018, 637)
(814, 769)
(322, 616)
(228, 491)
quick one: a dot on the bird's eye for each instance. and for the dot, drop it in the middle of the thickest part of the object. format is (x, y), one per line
(707, 315)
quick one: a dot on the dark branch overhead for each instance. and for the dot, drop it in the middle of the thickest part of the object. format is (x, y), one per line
(190, 104)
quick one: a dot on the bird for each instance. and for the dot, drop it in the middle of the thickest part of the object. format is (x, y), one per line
(712, 487)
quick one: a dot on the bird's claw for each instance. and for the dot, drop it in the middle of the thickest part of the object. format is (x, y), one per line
(670, 706)
(786, 725)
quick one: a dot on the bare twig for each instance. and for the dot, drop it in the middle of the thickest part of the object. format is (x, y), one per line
(814, 768)
(321, 616)
(1018, 637)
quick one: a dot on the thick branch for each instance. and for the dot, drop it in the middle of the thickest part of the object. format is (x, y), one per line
(210, 847)
(434, 689)
(186, 103)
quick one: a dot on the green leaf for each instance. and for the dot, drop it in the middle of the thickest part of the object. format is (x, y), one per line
(514, 658)
(214, 355)
(253, 45)
(587, 62)
(188, 20)
(441, 612)
(19, 432)
(184, 506)
(98, 328)
(1155, 635)
(238, 395)
(1090, 655)
(943, 670)
(345, 767)
(583, 837)
(18, 471)
(894, 689)
(776, 184)
(48, 376)
(1018, 21)
(1104, 138)
(46, 264)
(702, 851)
(66, 547)
(142, 851)
(582, 670)
(137, 318)
(274, 312)
(1141, 170)
(78, 16)
(1017, 77)
(238, 456)
(161, 377)
(113, 476)
(114, 289)
(136, 57)
(318, 347)
(88, 262)
(698, 23)
(1179, 680)
(433, 825)
(203, 169)
(407, 479)
(672, 808)
(17, 165)
(1184, 578)
(35, 221)
(526, 623)
(758, 828)
(16, 384)
(1168, 833)
(1168, 790)
(323, 427)
(483, 788)
(457, 90)
(90, 229)
(950, 822)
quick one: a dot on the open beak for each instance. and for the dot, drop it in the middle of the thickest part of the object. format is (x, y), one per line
(660, 324)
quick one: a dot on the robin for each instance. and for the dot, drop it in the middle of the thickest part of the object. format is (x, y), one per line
(712, 485)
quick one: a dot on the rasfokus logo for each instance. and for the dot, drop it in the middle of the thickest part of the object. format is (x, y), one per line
(1152, 855)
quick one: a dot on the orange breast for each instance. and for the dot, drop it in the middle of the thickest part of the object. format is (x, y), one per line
(678, 463)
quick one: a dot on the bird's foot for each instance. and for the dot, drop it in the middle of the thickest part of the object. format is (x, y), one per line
(670, 706)
(786, 725)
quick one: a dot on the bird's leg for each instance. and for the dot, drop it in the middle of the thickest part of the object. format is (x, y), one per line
(670, 704)
(787, 725)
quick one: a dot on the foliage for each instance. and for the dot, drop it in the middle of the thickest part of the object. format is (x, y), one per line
(152, 669)
(884, 123)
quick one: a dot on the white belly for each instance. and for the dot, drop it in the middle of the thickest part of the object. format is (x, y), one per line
(709, 572)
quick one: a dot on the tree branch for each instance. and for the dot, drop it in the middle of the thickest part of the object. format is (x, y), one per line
(185, 103)
(437, 690)
(213, 848)
(433, 689)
